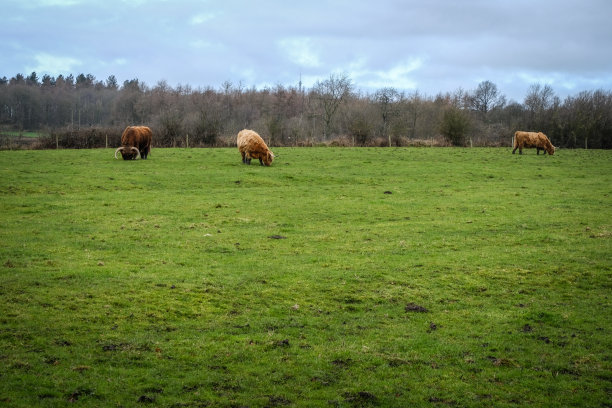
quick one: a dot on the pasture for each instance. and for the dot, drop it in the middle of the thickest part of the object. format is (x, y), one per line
(339, 277)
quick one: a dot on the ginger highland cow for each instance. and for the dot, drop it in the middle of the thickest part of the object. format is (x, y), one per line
(252, 146)
(532, 139)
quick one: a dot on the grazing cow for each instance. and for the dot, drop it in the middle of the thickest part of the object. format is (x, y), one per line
(252, 146)
(135, 143)
(532, 139)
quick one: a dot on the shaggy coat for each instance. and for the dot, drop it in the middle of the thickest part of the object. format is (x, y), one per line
(135, 143)
(252, 146)
(532, 139)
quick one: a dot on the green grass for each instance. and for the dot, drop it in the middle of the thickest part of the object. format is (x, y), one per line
(337, 277)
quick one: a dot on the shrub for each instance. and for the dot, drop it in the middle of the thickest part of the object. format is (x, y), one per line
(207, 130)
(455, 125)
(81, 139)
(169, 130)
(360, 129)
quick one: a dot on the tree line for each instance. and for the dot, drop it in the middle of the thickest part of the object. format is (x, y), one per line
(82, 111)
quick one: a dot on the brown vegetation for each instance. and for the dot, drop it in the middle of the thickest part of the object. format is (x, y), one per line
(82, 112)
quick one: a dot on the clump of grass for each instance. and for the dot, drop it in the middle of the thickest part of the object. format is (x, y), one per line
(338, 276)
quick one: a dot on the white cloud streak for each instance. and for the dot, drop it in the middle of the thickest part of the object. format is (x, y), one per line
(300, 51)
(53, 64)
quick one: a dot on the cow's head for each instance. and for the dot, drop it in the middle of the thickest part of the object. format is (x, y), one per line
(128, 152)
(267, 159)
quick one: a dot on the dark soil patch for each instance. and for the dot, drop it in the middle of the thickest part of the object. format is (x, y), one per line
(145, 399)
(340, 362)
(276, 400)
(436, 400)
(282, 343)
(413, 307)
(360, 399)
(81, 392)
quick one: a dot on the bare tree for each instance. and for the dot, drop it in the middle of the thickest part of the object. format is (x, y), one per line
(486, 98)
(330, 94)
(539, 97)
(287, 115)
(538, 101)
(414, 108)
(386, 99)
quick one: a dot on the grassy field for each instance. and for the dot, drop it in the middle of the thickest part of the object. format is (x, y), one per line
(337, 277)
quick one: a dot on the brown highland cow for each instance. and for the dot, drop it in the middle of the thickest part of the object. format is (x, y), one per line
(252, 146)
(135, 143)
(532, 139)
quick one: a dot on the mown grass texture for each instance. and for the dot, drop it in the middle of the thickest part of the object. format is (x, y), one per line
(337, 277)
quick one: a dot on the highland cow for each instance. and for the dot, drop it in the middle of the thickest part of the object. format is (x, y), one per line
(252, 146)
(532, 139)
(135, 143)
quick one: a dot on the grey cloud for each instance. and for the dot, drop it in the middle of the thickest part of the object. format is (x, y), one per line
(203, 43)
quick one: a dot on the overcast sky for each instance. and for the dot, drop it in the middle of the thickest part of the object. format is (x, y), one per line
(428, 46)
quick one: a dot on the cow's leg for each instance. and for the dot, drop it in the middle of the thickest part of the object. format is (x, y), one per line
(261, 162)
(538, 149)
(520, 150)
(514, 150)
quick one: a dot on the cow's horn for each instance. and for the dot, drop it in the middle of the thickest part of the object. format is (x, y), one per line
(137, 152)
(117, 151)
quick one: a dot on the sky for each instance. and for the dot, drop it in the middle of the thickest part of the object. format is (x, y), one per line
(425, 46)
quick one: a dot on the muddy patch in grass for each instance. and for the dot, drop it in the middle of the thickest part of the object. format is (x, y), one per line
(278, 401)
(413, 307)
(79, 393)
(145, 399)
(360, 399)
(281, 343)
(342, 362)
